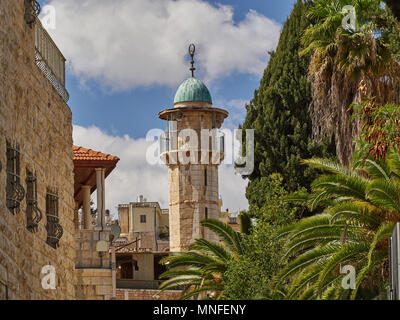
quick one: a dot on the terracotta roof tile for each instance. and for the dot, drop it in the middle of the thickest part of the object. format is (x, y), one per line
(81, 153)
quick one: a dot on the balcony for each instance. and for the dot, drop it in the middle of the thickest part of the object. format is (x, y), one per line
(50, 60)
(169, 142)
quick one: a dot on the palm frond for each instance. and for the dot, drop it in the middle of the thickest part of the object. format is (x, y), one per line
(229, 236)
(212, 248)
(189, 259)
(181, 272)
(346, 254)
(384, 194)
(393, 161)
(206, 287)
(375, 260)
(340, 185)
(377, 169)
(328, 166)
(306, 259)
(354, 212)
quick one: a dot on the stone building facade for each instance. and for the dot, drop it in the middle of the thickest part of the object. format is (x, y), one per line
(36, 180)
(92, 235)
(145, 221)
(142, 244)
(40, 193)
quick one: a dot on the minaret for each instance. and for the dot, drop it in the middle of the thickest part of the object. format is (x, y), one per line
(192, 148)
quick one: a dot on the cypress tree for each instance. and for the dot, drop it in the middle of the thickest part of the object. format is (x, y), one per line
(279, 112)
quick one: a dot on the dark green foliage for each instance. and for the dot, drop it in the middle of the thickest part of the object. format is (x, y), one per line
(245, 222)
(279, 111)
(200, 270)
(250, 276)
(266, 202)
(394, 5)
(362, 207)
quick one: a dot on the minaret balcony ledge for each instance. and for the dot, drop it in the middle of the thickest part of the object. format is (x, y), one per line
(169, 151)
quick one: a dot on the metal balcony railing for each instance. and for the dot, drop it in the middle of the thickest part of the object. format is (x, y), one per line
(168, 142)
(164, 143)
(50, 60)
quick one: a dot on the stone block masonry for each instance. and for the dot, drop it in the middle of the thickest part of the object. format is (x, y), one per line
(94, 284)
(34, 115)
(136, 294)
(93, 270)
(86, 254)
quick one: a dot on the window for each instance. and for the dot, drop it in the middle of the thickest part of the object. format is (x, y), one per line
(127, 270)
(232, 220)
(14, 191)
(203, 231)
(33, 213)
(205, 176)
(214, 125)
(54, 229)
(142, 219)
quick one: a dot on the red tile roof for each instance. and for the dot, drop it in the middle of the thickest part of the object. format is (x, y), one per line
(81, 153)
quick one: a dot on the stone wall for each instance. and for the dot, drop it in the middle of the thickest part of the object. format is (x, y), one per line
(135, 294)
(163, 245)
(123, 217)
(86, 252)
(94, 284)
(93, 270)
(189, 200)
(145, 263)
(34, 115)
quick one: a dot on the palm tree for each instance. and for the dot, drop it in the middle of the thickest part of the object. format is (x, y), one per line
(394, 5)
(201, 269)
(362, 205)
(348, 66)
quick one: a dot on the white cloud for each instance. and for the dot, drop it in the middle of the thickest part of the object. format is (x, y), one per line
(237, 112)
(133, 176)
(124, 44)
(237, 104)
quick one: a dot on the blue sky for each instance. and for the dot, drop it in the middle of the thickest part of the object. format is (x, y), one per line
(134, 111)
(126, 58)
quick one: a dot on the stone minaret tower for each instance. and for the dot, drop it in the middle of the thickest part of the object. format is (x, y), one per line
(192, 148)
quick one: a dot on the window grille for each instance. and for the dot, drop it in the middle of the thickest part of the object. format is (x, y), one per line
(143, 219)
(33, 213)
(14, 191)
(54, 229)
(32, 11)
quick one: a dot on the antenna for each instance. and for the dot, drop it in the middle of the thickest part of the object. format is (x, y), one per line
(192, 50)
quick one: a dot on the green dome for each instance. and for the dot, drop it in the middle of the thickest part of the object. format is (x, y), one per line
(192, 90)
